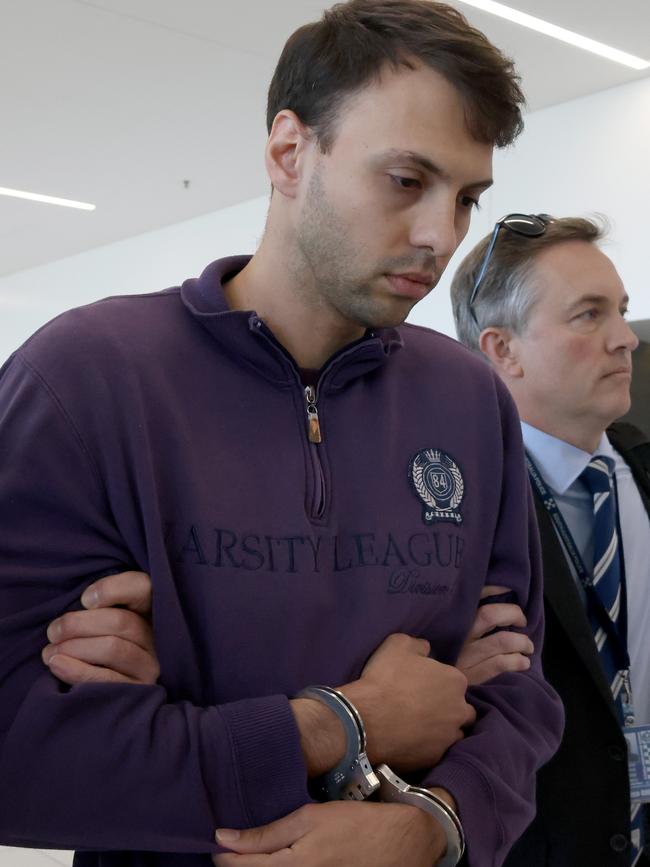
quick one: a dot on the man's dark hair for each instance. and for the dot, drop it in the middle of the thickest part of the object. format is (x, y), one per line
(324, 62)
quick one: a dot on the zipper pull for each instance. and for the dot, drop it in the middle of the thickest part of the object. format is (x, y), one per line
(313, 423)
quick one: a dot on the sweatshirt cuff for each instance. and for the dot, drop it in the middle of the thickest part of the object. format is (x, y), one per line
(476, 809)
(267, 753)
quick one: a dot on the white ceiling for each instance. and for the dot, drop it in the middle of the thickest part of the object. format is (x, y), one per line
(118, 102)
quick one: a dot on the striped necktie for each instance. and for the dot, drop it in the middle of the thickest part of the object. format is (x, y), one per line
(606, 585)
(609, 596)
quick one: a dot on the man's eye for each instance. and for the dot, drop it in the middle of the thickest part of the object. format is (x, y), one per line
(470, 202)
(406, 183)
(588, 315)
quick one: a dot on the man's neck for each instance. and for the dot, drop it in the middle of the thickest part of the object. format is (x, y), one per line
(583, 437)
(308, 328)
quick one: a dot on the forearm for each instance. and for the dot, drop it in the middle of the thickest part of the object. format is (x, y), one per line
(119, 767)
(400, 674)
(491, 774)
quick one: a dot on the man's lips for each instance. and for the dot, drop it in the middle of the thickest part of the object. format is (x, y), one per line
(411, 285)
(418, 277)
(627, 371)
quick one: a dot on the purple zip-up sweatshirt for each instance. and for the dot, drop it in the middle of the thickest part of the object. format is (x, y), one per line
(166, 433)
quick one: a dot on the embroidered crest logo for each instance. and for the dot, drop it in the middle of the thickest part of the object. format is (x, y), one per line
(438, 482)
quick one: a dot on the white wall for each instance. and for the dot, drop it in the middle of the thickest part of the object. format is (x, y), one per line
(144, 263)
(585, 156)
(588, 155)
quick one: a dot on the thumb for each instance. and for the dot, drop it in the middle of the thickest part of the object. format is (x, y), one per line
(263, 840)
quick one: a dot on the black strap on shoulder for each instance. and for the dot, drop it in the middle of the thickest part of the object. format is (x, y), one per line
(634, 446)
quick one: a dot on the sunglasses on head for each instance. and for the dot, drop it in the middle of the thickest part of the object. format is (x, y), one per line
(528, 225)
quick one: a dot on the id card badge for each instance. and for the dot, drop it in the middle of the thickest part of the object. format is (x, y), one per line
(638, 755)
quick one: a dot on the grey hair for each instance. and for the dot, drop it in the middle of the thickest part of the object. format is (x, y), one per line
(510, 289)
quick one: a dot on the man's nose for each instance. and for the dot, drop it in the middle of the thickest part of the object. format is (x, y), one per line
(625, 337)
(436, 229)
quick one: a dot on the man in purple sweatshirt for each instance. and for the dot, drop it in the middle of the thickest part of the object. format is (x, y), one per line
(319, 493)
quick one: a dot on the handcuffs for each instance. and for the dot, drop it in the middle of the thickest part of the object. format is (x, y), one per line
(355, 779)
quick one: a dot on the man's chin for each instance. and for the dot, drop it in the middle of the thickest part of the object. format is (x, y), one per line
(616, 409)
(624, 407)
(391, 316)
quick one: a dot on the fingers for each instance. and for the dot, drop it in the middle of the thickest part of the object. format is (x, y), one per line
(72, 672)
(122, 657)
(266, 839)
(470, 719)
(116, 622)
(497, 644)
(283, 858)
(498, 615)
(338, 834)
(116, 642)
(130, 589)
(485, 658)
(493, 590)
(496, 665)
(502, 642)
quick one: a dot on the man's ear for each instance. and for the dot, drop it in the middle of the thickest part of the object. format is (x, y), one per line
(501, 347)
(285, 151)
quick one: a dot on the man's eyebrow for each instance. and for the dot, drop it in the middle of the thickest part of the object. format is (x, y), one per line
(429, 166)
(596, 299)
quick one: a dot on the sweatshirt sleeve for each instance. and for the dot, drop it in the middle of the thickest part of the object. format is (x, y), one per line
(491, 773)
(106, 766)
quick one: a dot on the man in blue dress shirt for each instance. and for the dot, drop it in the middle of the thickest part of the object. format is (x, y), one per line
(547, 309)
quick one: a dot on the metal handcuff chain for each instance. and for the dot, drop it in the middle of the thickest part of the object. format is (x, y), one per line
(354, 778)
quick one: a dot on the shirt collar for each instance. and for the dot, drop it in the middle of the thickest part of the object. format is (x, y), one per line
(246, 338)
(559, 462)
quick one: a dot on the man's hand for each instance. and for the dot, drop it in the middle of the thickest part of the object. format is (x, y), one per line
(104, 643)
(338, 833)
(413, 709)
(485, 655)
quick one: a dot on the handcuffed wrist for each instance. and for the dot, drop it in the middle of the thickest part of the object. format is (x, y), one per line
(392, 789)
(353, 777)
